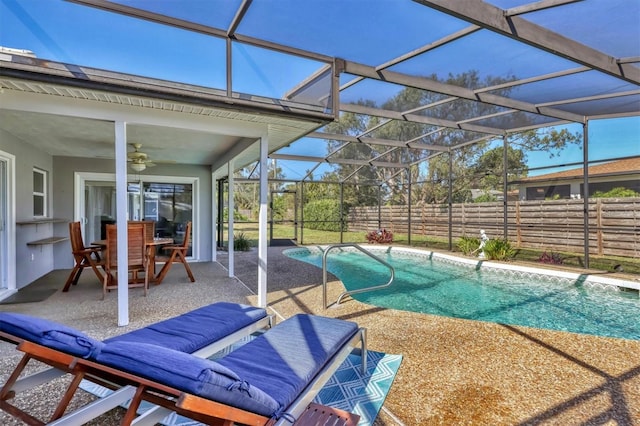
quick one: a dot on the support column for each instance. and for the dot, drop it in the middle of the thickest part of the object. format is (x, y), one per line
(214, 218)
(230, 219)
(341, 212)
(379, 206)
(409, 209)
(221, 213)
(505, 187)
(262, 223)
(121, 219)
(585, 191)
(450, 199)
(302, 212)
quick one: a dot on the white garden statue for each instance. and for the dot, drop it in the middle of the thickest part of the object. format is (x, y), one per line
(483, 241)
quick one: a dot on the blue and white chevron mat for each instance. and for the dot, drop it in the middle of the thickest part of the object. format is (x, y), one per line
(348, 389)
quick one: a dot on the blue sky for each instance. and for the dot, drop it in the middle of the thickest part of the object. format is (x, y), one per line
(67, 32)
(611, 138)
(70, 33)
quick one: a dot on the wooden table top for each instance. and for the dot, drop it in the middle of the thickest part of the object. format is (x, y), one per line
(155, 242)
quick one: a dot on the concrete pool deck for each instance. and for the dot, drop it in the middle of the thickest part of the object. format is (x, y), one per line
(453, 371)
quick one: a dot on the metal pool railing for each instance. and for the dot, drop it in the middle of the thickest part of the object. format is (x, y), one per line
(360, 290)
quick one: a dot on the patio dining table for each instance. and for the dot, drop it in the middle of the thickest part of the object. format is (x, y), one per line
(151, 252)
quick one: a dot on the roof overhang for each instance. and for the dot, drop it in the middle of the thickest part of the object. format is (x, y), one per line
(69, 110)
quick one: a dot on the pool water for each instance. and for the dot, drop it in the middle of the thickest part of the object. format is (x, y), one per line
(427, 284)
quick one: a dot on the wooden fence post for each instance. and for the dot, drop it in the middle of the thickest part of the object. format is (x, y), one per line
(599, 236)
(518, 223)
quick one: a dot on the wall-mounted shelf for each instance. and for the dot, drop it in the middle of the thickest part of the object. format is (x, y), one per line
(41, 221)
(44, 241)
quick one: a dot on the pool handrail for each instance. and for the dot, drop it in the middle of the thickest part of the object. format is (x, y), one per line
(360, 290)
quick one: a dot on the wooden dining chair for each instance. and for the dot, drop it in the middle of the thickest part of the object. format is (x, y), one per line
(177, 253)
(149, 228)
(149, 235)
(138, 261)
(84, 257)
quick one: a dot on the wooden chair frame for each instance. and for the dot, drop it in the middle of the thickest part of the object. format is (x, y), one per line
(127, 386)
(178, 254)
(138, 259)
(84, 257)
(149, 235)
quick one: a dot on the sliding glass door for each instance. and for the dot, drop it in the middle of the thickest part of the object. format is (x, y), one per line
(99, 207)
(168, 201)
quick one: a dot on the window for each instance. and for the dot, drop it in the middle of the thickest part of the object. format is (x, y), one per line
(171, 206)
(39, 193)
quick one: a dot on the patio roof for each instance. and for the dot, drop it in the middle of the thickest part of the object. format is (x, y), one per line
(477, 70)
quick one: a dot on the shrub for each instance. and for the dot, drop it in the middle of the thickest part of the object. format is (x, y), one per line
(550, 258)
(468, 245)
(497, 249)
(380, 236)
(236, 216)
(485, 198)
(617, 192)
(323, 215)
(241, 242)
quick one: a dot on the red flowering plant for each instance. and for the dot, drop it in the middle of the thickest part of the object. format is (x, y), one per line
(380, 236)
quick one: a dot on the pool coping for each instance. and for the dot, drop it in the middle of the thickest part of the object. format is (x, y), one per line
(584, 278)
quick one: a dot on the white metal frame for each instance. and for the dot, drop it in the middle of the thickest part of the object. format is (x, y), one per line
(80, 179)
(44, 193)
(8, 225)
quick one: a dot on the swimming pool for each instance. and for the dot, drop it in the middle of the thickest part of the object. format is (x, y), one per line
(439, 284)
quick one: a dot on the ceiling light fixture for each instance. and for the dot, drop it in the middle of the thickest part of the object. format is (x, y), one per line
(138, 167)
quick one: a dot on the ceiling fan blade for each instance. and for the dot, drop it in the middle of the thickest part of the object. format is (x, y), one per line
(136, 155)
(142, 157)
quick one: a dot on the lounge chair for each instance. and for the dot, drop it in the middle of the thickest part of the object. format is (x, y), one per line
(203, 332)
(269, 380)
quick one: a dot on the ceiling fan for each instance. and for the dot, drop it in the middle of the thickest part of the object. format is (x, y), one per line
(140, 160)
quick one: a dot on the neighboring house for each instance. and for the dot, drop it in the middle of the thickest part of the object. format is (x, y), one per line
(570, 183)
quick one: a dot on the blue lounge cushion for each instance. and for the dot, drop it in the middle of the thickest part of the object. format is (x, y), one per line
(187, 373)
(196, 329)
(50, 333)
(287, 357)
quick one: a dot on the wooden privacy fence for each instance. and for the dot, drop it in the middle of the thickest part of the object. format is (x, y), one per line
(614, 223)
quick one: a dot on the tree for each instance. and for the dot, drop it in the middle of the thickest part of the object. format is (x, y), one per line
(550, 140)
(313, 191)
(429, 170)
(488, 172)
(435, 188)
(407, 100)
(361, 188)
(246, 194)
